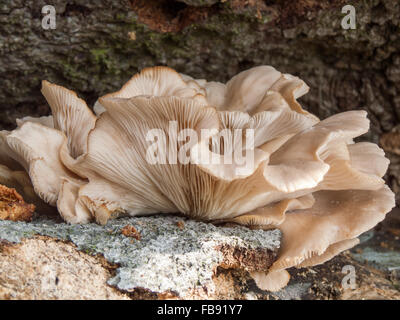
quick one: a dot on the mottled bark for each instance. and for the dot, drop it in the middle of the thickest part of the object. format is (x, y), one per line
(98, 45)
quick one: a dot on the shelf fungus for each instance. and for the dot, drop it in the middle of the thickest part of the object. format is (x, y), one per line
(243, 152)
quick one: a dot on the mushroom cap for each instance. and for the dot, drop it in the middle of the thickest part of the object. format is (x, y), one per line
(336, 216)
(47, 121)
(38, 147)
(71, 116)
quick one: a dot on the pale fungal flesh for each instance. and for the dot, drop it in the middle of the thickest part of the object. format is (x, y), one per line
(307, 177)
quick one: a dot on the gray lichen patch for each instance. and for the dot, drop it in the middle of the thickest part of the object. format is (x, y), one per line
(170, 256)
(383, 259)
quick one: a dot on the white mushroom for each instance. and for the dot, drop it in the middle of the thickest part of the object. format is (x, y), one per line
(38, 147)
(45, 120)
(71, 116)
(307, 177)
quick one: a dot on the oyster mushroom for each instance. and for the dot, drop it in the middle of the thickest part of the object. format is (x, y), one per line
(306, 177)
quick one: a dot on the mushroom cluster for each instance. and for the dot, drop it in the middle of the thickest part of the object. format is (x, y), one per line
(307, 177)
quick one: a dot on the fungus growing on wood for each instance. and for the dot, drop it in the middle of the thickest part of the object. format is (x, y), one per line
(13, 207)
(147, 150)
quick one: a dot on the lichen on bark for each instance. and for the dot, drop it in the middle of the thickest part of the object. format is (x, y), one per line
(167, 259)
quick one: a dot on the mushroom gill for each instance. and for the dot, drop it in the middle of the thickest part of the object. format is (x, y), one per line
(244, 152)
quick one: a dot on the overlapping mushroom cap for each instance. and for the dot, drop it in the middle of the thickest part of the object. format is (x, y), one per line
(306, 177)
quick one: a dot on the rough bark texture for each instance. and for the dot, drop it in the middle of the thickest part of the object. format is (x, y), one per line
(98, 45)
(13, 207)
(46, 269)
